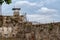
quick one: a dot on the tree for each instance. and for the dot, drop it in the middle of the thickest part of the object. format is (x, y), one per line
(1, 2)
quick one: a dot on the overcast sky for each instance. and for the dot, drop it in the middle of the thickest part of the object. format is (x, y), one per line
(43, 11)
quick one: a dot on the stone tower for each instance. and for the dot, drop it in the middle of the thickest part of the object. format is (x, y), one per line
(17, 16)
(16, 11)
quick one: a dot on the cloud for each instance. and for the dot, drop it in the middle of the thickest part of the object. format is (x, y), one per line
(45, 15)
(27, 3)
(39, 18)
(31, 4)
(42, 18)
(50, 1)
(45, 11)
(46, 2)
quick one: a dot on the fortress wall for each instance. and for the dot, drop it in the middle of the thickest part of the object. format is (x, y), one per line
(40, 32)
(28, 31)
(23, 30)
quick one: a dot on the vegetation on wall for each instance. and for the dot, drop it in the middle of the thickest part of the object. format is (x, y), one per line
(50, 27)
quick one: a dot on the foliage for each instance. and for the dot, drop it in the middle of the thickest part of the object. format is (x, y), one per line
(7, 1)
(50, 27)
(1, 1)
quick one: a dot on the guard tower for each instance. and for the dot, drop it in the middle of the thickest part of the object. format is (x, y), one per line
(16, 15)
(16, 11)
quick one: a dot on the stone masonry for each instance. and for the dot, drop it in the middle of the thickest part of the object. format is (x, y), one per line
(16, 27)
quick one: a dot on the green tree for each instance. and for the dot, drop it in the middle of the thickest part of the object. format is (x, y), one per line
(1, 2)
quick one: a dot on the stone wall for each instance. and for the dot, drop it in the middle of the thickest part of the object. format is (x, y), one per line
(39, 32)
(28, 31)
(23, 30)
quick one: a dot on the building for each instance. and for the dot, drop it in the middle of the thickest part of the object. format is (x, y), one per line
(16, 26)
